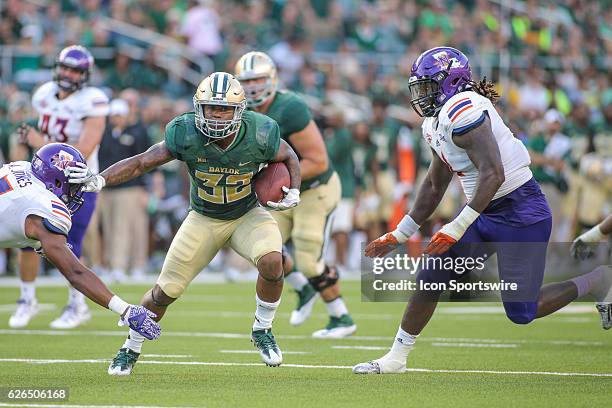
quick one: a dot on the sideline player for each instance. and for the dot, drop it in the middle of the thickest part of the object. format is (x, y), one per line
(505, 204)
(68, 111)
(581, 249)
(309, 225)
(36, 207)
(224, 147)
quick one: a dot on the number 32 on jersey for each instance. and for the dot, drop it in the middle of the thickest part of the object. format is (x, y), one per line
(236, 187)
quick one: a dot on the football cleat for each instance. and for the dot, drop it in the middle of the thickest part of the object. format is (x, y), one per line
(124, 362)
(337, 328)
(268, 349)
(24, 313)
(72, 316)
(384, 365)
(605, 313)
(306, 300)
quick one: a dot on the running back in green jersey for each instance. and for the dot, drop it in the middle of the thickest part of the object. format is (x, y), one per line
(221, 179)
(293, 115)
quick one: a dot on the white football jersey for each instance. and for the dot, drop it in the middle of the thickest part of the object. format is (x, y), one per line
(62, 120)
(22, 194)
(461, 113)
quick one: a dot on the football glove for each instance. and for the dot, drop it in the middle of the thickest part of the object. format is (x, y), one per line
(140, 319)
(291, 199)
(81, 174)
(584, 246)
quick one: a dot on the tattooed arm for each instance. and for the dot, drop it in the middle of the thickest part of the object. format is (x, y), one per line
(135, 166)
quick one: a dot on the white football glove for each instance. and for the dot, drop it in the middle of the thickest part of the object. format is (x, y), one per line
(291, 199)
(81, 174)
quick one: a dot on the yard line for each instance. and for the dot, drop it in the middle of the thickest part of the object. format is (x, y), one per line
(293, 337)
(81, 406)
(169, 355)
(360, 347)
(257, 352)
(223, 364)
(11, 307)
(491, 345)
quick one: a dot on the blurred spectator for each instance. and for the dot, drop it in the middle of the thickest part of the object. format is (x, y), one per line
(124, 207)
(201, 27)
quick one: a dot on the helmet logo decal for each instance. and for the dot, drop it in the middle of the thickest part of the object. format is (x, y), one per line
(62, 159)
(444, 61)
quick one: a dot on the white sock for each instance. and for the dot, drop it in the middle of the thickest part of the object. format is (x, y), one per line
(28, 291)
(336, 307)
(134, 341)
(264, 314)
(403, 343)
(297, 280)
(76, 298)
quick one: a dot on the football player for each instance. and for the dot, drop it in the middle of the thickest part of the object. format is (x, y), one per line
(505, 204)
(308, 226)
(224, 147)
(70, 112)
(582, 248)
(36, 207)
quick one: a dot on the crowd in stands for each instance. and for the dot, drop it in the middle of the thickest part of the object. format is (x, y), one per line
(351, 61)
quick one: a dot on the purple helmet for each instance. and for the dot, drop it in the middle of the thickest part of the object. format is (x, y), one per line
(75, 57)
(436, 76)
(48, 165)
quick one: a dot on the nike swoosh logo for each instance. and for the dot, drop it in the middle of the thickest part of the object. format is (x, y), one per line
(243, 164)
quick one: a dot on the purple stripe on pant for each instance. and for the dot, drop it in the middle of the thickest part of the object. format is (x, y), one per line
(80, 221)
(516, 227)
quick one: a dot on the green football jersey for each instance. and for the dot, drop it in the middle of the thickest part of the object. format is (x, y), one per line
(293, 115)
(221, 180)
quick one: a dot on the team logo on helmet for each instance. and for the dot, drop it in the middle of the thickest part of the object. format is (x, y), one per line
(62, 159)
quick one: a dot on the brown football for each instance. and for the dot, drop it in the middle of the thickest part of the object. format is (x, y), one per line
(269, 182)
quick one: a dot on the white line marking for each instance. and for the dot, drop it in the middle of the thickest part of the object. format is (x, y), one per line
(11, 307)
(81, 406)
(169, 355)
(360, 347)
(492, 345)
(222, 364)
(293, 337)
(257, 352)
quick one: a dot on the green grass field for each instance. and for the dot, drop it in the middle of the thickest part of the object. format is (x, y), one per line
(469, 355)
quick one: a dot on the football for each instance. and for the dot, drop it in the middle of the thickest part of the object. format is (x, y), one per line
(269, 182)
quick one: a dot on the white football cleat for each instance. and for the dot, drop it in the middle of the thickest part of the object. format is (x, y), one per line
(384, 365)
(605, 313)
(73, 316)
(24, 313)
(124, 362)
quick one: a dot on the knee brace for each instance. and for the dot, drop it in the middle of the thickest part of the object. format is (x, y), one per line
(328, 278)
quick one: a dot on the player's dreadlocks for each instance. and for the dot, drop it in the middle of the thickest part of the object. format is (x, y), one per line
(485, 88)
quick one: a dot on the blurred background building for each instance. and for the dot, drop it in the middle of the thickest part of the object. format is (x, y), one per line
(351, 60)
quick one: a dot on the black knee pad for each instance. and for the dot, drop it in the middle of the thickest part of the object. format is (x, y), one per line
(272, 279)
(328, 278)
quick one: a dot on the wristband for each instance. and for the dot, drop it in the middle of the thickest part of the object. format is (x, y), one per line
(592, 235)
(406, 227)
(118, 305)
(457, 227)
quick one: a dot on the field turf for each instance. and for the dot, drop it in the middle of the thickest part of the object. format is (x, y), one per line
(470, 355)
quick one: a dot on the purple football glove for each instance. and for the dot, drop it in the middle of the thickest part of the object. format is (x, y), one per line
(140, 319)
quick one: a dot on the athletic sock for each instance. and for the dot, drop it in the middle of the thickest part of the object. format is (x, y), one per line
(403, 343)
(587, 282)
(76, 298)
(28, 291)
(336, 307)
(264, 314)
(134, 341)
(297, 280)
